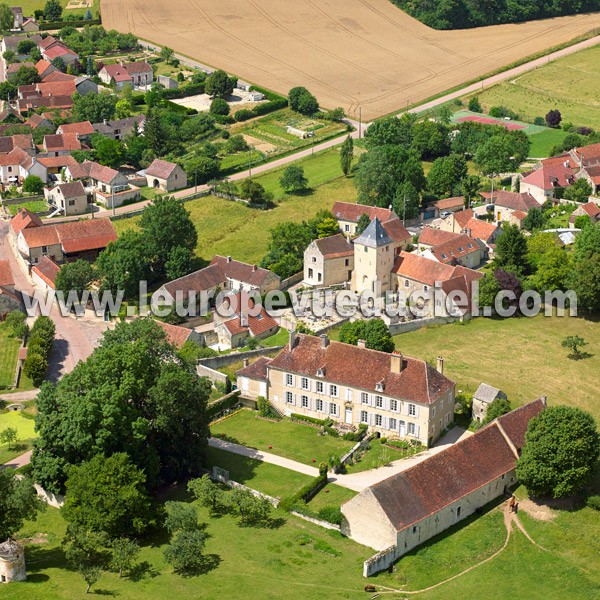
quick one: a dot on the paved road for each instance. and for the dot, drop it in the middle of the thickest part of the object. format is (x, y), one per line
(354, 481)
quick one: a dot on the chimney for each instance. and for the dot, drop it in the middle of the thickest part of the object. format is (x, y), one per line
(396, 362)
(229, 259)
(324, 340)
(440, 364)
(292, 340)
(246, 362)
(362, 343)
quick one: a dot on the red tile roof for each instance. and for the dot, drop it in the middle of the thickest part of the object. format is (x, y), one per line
(24, 219)
(177, 336)
(347, 211)
(239, 271)
(363, 368)
(334, 246)
(6, 276)
(434, 237)
(47, 270)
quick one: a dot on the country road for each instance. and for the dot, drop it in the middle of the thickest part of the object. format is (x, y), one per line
(488, 81)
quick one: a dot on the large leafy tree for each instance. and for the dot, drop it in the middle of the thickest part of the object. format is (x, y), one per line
(18, 502)
(166, 225)
(131, 395)
(561, 449)
(107, 494)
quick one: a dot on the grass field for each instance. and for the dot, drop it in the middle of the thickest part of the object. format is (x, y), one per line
(571, 84)
(25, 434)
(356, 53)
(285, 438)
(232, 229)
(523, 357)
(9, 351)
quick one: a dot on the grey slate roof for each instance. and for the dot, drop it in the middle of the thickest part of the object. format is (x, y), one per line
(374, 235)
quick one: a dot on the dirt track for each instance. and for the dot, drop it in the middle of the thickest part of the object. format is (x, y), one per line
(348, 52)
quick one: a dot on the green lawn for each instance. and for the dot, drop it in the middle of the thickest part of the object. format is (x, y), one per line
(264, 477)
(570, 84)
(232, 229)
(286, 438)
(542, 143)
(9, 352)
(25, 434)
(523, 357)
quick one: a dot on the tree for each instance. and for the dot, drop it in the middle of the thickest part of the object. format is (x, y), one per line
(474, 104)
(293, 180)
(18, 502)
(207, 493)
(346, 155)
(374, 331)
(32, 184)
(35, 367)
(534, 220)
(363, 223)
(53, 10)
(131, 395)
(579, 191)
(219, 85)
(7, 21)
(124, 553)
(184, 553)
(511, 249)
(302, 101)
(167, 225)
(180, 517)
(497, 408)
(574, 343)
(107, 494)
(94, 108)
(560, 452)
(8, 436)
(446, 174)
(219, 107)
(179, 263)
(328, 226)
(553, 118)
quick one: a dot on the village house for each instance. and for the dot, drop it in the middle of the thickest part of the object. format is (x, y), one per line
(403, 511)
(420, 277)
(234, 329)
(118, 129)
(66, 242)
(393, 394)
(102, 184)
(135, 74)
(240, 276)
(67, 198)
(590, 210)
(482, 399)
(165, 175)
(328, 261)
(348, 214)
(43, 274)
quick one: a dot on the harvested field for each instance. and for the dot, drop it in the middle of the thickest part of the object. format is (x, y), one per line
(349, 53)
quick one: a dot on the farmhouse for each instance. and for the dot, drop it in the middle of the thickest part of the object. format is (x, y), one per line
(66, 242)
(67, 198)
(165, 175)
(407, 509)
(239, 276)
(482, 399)
(328, 261)
(393, 394)
(348, 215)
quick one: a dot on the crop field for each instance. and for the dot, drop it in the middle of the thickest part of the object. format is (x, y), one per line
(349, 53)
(570, 84)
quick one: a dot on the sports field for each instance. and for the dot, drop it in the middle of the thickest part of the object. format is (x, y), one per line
(349, 53)
(570, 84)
